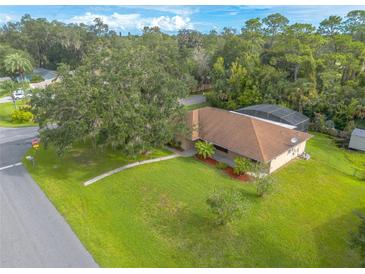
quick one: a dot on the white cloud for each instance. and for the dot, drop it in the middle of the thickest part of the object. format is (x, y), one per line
(183, 11)
(5, 18)
(133, 21)
(233, 13)
(171, 23)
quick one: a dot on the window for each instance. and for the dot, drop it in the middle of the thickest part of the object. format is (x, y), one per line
(221, 149)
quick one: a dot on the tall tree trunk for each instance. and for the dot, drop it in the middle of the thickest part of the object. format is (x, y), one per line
(296, 71)
(344, 77)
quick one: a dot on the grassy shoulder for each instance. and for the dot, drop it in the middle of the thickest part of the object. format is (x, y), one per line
(4, 92)
(196, 106)
(156, 215)
(6, 109)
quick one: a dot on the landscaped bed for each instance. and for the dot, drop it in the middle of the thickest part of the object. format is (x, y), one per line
(156, 215)
(228, 170)
(6, 109)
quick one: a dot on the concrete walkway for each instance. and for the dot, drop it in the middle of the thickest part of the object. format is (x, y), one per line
(102, 176)
(177, 153)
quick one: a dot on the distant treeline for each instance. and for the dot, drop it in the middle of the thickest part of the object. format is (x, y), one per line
(318, 71)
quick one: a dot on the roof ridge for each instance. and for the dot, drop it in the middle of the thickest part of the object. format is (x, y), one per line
(257, 139)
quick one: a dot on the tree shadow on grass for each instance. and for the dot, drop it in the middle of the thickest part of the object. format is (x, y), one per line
(332, 239)
(197, 241)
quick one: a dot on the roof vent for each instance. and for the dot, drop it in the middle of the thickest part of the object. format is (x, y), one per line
(294, 140)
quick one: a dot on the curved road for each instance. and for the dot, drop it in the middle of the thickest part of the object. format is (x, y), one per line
(32, 232)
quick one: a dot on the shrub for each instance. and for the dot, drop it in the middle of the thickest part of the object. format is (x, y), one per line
(21, 116)
(319, 122)
(25, 108)
(221, 165)
(242, 165)
(263, 185)
(174, 143)
(204, 149)
(259, 168)
(36, 78)
(330, 124)
(226, 205)
(6, 87)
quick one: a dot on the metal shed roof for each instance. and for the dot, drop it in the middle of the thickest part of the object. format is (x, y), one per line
(292, 117)
(358, 132)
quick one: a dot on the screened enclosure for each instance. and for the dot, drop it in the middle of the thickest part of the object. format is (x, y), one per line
(277, 114)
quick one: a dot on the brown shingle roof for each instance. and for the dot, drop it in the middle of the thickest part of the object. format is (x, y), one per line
(244, 135)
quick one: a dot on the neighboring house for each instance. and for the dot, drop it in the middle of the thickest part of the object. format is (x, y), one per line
(236, 135)
(278, 114)
(357, 140)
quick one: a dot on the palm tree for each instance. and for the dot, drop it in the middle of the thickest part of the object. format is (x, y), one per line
(17, 63)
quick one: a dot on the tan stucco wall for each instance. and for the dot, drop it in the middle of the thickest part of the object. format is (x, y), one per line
(195, 124)
(287, 156)
(275, 164)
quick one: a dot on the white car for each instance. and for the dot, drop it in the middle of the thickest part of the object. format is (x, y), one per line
(19, 94)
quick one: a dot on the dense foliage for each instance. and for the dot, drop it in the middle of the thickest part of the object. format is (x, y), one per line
(124, 94)
(112, 81)
(312, 71)
(242, 165)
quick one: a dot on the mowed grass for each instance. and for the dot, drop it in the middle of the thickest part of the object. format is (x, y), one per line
(156, 215)
(6, 109)
(196, 106)
(4, 92)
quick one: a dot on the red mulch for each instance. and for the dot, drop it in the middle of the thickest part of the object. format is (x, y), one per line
(228, 170)
(208, 161)
(243, 177)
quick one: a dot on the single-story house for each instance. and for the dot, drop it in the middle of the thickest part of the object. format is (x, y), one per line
(234, 134)
(357, 140)
(285, 116)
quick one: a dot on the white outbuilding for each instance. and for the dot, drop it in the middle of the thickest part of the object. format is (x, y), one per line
(357, 140)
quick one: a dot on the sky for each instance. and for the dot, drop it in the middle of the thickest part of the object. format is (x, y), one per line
(170, 19)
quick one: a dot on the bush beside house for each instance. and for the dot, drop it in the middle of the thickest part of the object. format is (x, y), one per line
(204, 149)
(242, 165)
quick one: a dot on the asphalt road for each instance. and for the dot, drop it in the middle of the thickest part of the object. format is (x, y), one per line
(193, 99)
(32, 232)
(6, 99)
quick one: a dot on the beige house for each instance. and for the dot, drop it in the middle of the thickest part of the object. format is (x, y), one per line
(234, 134)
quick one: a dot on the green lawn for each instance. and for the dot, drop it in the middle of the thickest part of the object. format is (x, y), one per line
(196, 106)
(4, 92)
(6, 109)
(156, 216)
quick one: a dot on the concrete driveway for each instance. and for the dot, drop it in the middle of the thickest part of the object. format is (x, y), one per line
(193, 100)
(33, 233)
